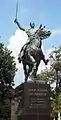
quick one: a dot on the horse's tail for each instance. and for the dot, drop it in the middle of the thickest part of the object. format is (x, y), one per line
(21, 54)
(23, 49)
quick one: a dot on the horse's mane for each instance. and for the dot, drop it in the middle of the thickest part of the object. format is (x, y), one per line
(40, 31)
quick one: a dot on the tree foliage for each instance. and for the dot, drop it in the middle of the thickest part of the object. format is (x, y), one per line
(53, 75)
(5, 110)
(7, 73)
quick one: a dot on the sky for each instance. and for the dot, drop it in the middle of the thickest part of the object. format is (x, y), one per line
(47, 12)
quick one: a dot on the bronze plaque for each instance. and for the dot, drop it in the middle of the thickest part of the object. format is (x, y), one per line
(36, 98)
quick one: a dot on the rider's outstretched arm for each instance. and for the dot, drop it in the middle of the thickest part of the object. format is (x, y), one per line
(15, 21)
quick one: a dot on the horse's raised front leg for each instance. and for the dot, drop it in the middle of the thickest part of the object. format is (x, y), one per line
(43, 58)
(45, 61)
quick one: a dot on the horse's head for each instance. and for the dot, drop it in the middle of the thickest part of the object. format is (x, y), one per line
(43, 33)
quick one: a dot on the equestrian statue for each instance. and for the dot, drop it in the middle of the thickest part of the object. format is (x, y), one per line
(31, 53)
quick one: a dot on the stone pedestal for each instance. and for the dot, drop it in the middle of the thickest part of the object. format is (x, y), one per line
(32, 101)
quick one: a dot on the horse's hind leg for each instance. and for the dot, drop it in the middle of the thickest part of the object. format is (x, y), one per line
(28, 72)
(34, 71)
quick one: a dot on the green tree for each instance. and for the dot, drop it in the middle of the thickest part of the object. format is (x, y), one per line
(56, 67)
(53, 75)
(7, 73)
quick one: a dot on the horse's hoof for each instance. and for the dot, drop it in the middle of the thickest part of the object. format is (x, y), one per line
(46, 62)
(25, 81)
(19, 59)
(35, 81)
